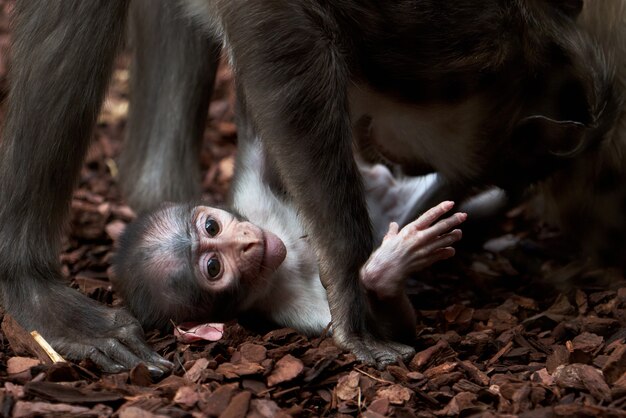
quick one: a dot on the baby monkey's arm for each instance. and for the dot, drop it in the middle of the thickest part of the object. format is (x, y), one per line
(403, 252)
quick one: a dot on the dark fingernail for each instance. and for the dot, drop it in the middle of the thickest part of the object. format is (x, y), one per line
(162, 364)
(155, 372)
(160, 361)
(115, 369)
(167, 364)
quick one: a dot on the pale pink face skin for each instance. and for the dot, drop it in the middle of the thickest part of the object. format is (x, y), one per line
(226, 249)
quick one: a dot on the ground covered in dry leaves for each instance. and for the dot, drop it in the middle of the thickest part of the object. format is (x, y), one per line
(496, 337)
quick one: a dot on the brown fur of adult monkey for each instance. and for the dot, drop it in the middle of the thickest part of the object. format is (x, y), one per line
(476, 90)
(582, 192)
(588, 199)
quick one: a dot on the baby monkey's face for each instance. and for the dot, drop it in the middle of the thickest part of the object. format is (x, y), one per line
(193, 263)
(227, 251)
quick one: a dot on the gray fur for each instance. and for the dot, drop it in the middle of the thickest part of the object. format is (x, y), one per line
(172, 75)
(62, 58)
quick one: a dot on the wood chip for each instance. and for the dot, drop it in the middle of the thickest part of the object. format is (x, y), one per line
(348, 386)
(195, 372)
(582, 376)
(253, 353)
(31, 409)
(218, 401)
(140, 375)
(396, 394)
(186, 396)
(616, 364)
(286, 369)
(233, 371)
(57, 392)
(238, 406)
(431, 356)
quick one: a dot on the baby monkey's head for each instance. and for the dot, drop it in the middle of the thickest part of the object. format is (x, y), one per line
(186, 262)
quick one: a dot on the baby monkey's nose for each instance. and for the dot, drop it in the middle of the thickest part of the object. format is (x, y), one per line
(248, 246)
(250, 238)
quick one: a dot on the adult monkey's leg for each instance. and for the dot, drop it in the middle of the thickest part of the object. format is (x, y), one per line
(295, 78)
(173, 71)
(63, 52)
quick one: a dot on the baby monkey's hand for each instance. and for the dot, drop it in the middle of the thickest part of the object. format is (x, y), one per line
(411, 249)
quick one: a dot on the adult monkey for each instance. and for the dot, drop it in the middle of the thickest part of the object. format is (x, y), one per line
(460, 80)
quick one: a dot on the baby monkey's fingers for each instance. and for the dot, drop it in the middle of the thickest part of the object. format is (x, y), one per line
(440, 242)
(439, 249)
(443, 226)
(438, 255)
(394, 228)
(431, 215)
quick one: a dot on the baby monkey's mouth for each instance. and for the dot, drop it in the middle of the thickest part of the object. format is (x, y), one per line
(274, 251)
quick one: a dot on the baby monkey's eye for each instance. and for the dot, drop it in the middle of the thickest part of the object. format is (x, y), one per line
(212, 227)
(213, 267)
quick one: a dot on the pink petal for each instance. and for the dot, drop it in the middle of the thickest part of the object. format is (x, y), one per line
(190, 332)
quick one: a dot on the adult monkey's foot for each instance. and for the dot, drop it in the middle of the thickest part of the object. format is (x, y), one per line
(355, 325)
(371, 350)
(79, 327)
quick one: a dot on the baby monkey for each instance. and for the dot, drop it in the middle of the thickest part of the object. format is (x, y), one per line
(191, 262)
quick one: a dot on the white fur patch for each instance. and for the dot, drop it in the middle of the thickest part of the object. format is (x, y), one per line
(296, 297)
